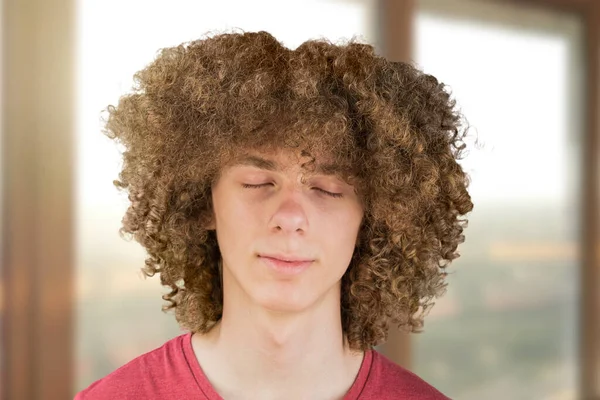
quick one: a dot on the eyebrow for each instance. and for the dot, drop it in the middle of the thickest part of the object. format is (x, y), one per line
(259, 162)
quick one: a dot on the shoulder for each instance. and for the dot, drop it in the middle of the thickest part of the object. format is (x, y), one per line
(147, 376)
(390, 381)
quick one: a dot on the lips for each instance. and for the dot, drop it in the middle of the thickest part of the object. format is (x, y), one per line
(286, 258)
(288, 265)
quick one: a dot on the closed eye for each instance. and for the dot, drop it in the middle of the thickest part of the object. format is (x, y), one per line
(247, 185)
(335, 195)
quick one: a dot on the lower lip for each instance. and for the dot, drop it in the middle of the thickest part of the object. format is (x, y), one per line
(285, 267)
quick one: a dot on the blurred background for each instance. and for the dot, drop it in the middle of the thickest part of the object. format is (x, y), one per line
(521, 318)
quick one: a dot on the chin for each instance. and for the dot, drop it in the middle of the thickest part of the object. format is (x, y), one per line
(285, 301)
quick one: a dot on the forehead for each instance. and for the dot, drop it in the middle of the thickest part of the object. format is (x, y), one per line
(284, 159)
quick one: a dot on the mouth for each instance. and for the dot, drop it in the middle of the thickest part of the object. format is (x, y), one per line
(288, 265)
(286, 258)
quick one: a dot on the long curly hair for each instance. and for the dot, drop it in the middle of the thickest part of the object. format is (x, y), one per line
(393, 130)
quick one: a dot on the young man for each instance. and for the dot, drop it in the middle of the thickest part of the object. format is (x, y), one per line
(297, 203)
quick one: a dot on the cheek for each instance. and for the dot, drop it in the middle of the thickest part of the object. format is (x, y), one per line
(340, 235)
(236, 222)
(229, 210)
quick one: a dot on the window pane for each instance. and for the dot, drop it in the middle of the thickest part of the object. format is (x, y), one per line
(118, 314)
(507, 327)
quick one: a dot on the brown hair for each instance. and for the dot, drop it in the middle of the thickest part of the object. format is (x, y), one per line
(394, 129)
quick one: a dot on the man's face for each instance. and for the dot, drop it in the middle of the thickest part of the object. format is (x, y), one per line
(269, 211)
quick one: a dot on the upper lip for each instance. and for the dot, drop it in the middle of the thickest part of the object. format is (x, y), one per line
(284, 257)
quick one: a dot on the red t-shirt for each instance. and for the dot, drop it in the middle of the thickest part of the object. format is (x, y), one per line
(172, 372)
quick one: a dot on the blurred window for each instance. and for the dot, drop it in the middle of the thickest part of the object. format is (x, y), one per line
(507, 327)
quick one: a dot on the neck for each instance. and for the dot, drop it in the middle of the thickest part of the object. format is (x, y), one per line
(277, 354)
(281, 343)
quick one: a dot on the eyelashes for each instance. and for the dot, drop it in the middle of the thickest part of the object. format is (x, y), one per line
(335, 195)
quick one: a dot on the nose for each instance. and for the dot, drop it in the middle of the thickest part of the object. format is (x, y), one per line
(289, 216)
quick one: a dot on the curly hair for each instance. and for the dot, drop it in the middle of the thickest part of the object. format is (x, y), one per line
(393, 130)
